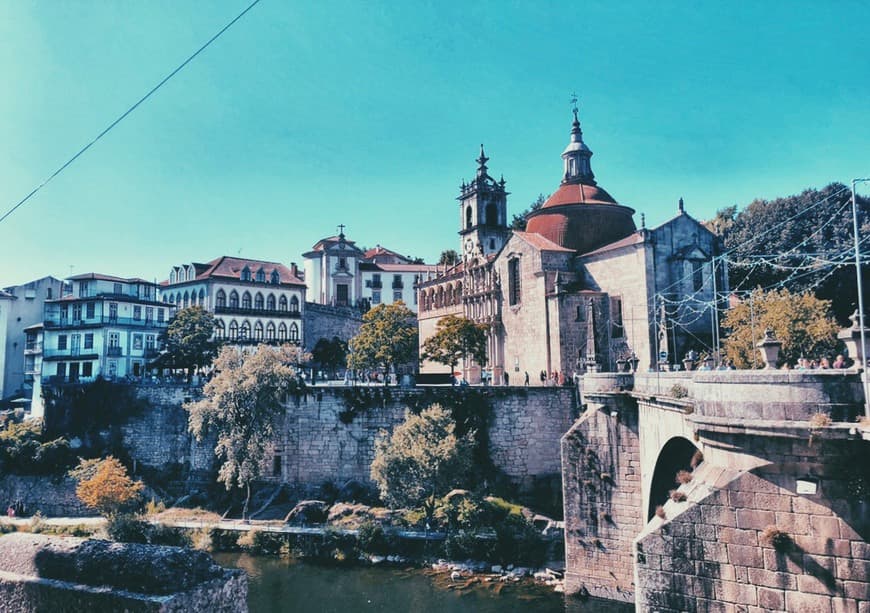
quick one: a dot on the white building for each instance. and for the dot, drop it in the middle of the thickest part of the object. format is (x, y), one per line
(106, 326)
(338, 273)
(253, 301)
(33, 368)
(6, 300)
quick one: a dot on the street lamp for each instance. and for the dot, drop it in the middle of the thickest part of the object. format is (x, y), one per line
(860, 291)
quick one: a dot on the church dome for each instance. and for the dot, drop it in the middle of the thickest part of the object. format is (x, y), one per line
(580, 215)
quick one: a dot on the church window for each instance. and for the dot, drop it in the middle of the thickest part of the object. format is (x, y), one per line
(697, 275)
(246, 300)
(282, 303)
(491, 214)
(221, 299)
(234, 300)
(258, 301)
(270, 302)
(468, 216)
(294, 304)
(294, 333)
(617, 330)
(342, 263)
(514, 290)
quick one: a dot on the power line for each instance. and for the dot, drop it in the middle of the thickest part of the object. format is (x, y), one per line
(128, 111)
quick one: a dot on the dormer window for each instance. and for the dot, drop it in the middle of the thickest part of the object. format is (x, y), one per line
(275, 278)
(261, 276)
(246, 274)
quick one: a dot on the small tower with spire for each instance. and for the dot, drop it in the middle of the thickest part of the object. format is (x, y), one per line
(576, 157)
(483, 212)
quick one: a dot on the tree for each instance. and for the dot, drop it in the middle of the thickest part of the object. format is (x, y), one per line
(798, 227)
(519, 220)
(422, 460)
(242, 405)
(387, 338)
(188, 339)
(800, 320)
(449, 257)
(456, 338)
(330, 354)
(723, 221)
(105, 486)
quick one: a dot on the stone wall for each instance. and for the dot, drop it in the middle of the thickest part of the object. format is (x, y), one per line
(320, 442)
(49, 496)
(325, 321)
(601, 490)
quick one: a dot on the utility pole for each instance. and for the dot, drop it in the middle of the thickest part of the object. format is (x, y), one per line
(860, 293)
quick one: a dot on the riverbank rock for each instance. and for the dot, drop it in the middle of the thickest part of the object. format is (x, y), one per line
(308, 512)
(39, 572)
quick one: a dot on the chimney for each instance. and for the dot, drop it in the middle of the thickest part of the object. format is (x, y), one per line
(294, 269)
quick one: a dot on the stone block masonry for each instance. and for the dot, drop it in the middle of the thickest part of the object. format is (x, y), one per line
(319, 443)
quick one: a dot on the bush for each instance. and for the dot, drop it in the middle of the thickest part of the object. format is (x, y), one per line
(464, 545)
(105, 486)
(261, 542)
(372, 539)
(131, 529)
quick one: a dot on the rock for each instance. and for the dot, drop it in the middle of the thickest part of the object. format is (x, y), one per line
(496, 568)
(346, 514)
(308, 512)
(454, 496)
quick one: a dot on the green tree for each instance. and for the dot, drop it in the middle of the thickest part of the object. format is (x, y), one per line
(456, 338)
(723, 221)
(449, 257)
(104, 485)
(800, 320)
(242, 405)
(188, 339)
(387, 338)
(422, 460)
(519, 219)
(330, 354)
(796, 226)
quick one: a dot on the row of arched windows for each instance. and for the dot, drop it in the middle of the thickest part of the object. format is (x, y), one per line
(259, 301)
(444, 295)
(182, 301)
(257, 332)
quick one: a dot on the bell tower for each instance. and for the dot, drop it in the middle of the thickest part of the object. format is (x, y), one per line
(482, 213)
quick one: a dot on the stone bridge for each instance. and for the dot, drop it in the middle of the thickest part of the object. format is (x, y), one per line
(720, 491)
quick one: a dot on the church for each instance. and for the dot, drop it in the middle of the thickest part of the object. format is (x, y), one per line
(582, 288)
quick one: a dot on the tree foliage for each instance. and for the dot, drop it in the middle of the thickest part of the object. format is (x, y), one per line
(387, 337)
(105, 486)
(241, 406)
(188, 339)
(800, 320)
(825, 230)
(330, 354)
(422, 460)
(456, 338)
(24, 450)
(449, 257)
(519, 219)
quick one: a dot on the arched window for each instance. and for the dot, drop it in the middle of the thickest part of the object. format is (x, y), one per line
(258, 331)
(246, 274)
(258, 301)
(261, 276)
(294, 304)
(246, 300)
(234, 330)
(270, 331)
(282, 303)
(270, 302)
(172, 276)
(201, 297)
(221, 299)
(185, 300)
(178, 299)
(245, 331)
(468, 217)
(282, 332)
(234, 300)
(294, 333)
(275, 278)
(491, 214)
(219, 330)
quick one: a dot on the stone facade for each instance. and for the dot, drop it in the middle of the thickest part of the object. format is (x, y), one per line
(326, 321)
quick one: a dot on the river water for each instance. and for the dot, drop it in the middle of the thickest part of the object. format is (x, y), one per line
(279, 584)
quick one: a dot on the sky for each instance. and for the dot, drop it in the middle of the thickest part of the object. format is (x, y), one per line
(306, 115)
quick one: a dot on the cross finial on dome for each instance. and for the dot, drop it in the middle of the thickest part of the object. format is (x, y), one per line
(574, 107)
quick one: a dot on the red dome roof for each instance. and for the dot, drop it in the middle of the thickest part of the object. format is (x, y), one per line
(582, 217)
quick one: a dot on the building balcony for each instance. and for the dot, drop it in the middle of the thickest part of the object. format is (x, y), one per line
(398, 285)
(374, 284)
(69, 354)
(227, 310)
(31, 348)
(98, 322)
(114, 352)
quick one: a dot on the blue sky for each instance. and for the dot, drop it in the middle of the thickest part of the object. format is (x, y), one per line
(307, 115)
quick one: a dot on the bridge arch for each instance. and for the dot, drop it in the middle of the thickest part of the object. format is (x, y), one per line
(675, 455)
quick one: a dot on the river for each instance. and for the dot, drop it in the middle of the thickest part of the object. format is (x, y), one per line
(280, 584)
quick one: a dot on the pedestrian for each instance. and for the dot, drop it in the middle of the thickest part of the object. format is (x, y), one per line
(543, 377)
(507, 379)
(10, 511)
(840, 362)
(527, 379)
